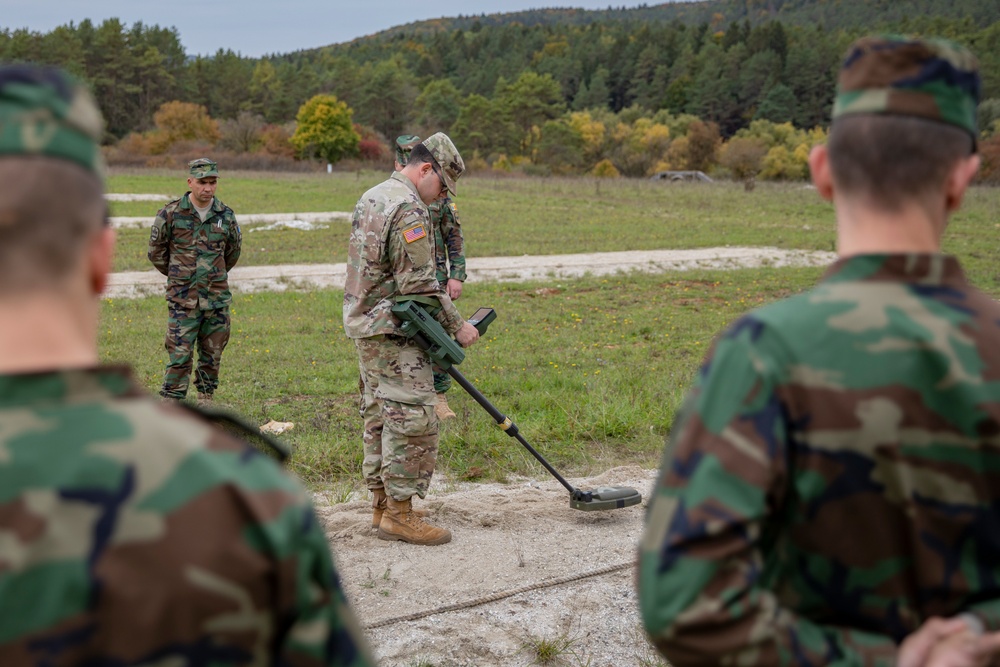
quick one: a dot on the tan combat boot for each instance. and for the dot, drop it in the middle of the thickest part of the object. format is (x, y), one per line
(204, 399)
(400, 523)
(441, 408)
(378, 507)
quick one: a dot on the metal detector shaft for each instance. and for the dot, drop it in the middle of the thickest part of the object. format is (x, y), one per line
(502, 420)
(508, 426)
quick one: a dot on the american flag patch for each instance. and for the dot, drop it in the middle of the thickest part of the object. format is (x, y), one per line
(414, 233)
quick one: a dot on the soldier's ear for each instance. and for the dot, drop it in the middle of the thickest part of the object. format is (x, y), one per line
(958, 182)
(100, 256)
(819, 167)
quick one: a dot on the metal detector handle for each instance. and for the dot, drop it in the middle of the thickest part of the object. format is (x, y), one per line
(482, 318)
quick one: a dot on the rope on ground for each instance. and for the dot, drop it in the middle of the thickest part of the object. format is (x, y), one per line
(493, 597)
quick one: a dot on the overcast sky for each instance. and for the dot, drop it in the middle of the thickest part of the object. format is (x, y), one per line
(258, 27)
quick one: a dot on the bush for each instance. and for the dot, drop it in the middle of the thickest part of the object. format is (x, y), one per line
(743, 157)
(605, 169)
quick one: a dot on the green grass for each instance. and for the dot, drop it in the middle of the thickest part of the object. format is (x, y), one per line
(592, 374)
(541, 216)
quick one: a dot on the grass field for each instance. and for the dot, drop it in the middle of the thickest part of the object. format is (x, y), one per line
(591, 370)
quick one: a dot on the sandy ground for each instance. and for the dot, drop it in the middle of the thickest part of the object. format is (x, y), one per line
(282, 277)
(521, 535)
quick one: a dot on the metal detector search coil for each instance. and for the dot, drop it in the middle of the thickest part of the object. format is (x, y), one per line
(432, 338)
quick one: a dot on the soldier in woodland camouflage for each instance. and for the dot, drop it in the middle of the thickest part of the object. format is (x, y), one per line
(195, 241)
(132, 532)
(449, 257)
(829, 494)
(391, 256)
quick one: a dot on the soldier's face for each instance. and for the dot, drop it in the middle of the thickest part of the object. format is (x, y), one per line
(431, 185)
(203, 190)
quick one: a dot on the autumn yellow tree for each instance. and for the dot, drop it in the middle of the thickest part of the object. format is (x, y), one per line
(325, 129)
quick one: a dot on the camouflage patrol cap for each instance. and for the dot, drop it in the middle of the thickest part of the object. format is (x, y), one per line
(203, 168)
(45, 111)
(934, 79)
(405, 144)
(447, 157)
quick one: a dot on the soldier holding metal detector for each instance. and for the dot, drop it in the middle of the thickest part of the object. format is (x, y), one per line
(391, 257)
(131, 530)
(829, 492)
(449, 258)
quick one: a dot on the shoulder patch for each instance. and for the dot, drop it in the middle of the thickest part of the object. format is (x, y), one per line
(155, 234)
(414, 233)
(454, 207)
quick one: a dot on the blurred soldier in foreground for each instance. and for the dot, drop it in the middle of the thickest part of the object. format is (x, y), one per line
(449, 260)
(131, 532)
(194, 242)
(829, 494)
(391, 256)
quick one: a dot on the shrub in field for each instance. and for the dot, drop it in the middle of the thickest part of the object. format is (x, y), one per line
(703, 145)
(605, 169)
(243, 133)
(371, 149)
(181, 121)
(744, 158)
(276, 140)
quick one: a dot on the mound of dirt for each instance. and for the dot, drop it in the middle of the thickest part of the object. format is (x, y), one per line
(524, 574)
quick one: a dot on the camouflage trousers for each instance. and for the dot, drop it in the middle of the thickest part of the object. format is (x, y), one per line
(185, 327)
(397, 405)
(442, 381)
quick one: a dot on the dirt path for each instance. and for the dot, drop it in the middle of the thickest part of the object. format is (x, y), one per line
(519, 536)
(281, 277)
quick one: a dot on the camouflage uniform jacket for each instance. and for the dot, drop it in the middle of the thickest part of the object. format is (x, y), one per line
(391, 253)
(134, 533)
(449, 245)
(195, 255)
(834, 477)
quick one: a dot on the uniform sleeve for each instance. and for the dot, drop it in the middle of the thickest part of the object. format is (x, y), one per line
(320, 629)
(234, 242)
(159, 242)
(411, 255)
(451, 231)
(721, 484)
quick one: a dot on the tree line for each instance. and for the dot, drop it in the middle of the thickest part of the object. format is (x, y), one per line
(521, 95)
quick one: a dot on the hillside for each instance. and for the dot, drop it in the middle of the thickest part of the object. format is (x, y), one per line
(832, 14)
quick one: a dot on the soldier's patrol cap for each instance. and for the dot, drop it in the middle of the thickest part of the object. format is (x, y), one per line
(935, 79)
(203, 168)
(405, 144)
(45, 111)
(447, 157)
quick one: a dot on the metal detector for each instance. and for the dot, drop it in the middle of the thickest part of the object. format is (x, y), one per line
(427, 333)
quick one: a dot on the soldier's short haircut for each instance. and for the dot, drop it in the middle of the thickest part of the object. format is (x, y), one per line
(419, 155)
(49, 208)
(891, 160)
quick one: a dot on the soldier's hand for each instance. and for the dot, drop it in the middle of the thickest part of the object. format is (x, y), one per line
(919, 647)
(453, 288)
(467, 335)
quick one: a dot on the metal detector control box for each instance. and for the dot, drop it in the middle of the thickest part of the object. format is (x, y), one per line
(481, 319)
(441, 347)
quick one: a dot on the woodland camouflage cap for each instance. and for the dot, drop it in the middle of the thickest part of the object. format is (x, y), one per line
(45, 111)
(927, 78)
(203, 168)
(447, 157)
(405, 144)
